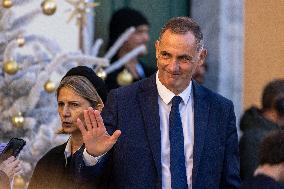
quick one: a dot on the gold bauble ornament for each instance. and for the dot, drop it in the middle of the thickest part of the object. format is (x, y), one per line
(101, 73)
(49, 86)
(48, 7)
(11, 67)
(7, 3)
(124, 78)
(21, 41)
(18, 120)
(19, 182)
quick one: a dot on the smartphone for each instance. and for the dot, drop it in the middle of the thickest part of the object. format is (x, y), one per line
(13, 148)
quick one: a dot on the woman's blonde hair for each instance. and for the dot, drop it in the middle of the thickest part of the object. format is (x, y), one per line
(82, 87)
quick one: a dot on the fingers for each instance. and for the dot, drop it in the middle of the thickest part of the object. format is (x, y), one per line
(17, 170)
(9, 160)
(87, 120)
(11, 166)
(92, 116)
(81, 127)
(100, 129)
(115, 136)
(99, 119)
(14, 163)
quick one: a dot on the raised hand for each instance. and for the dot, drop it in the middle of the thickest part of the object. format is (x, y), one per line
(97, 140)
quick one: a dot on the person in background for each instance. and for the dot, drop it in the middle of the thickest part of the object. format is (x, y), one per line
(79, 89)
(270, 172)
(8, 169)
(120, 21)
(256, 123)
(199, 74)
(167, 131)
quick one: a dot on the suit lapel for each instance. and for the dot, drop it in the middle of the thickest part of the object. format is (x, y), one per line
(148, 102)
(201, 114)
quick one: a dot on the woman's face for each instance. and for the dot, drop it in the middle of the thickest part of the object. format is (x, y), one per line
(70, 107)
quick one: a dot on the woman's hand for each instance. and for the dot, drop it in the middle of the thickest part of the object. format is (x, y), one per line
(97, 140)
(10, 167)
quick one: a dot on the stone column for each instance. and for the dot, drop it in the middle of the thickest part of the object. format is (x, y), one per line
(222, 25)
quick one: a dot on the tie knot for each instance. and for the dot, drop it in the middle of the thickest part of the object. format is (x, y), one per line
(176, 100)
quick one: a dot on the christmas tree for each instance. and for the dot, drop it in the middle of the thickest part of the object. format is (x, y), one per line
(28, 78)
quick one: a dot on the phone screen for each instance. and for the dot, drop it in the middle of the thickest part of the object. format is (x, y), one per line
(13, 148)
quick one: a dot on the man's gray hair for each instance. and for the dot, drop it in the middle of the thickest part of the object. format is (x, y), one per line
(182, 25)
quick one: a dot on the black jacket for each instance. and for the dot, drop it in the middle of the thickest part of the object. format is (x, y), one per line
(52, 172)
(254, 127)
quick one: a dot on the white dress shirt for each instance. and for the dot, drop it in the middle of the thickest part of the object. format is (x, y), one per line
(186, 112)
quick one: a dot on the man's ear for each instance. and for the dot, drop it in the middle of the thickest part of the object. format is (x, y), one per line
(202, 56)
(157, 47)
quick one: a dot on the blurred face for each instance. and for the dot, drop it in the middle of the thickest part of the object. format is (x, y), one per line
(281, 175)
(177, 59)
(139, 37)
(70, 107)
(199, 74)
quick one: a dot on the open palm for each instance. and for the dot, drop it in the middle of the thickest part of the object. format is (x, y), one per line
(97, 140)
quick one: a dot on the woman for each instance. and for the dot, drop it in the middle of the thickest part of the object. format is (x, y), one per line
(60, 168)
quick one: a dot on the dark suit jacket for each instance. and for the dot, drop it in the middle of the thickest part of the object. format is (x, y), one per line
(136, 157)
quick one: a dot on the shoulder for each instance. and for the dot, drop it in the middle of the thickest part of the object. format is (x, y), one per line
(53, 154)
(57, 149)
(201, 92)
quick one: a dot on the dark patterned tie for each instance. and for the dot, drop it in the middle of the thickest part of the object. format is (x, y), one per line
(177, 160)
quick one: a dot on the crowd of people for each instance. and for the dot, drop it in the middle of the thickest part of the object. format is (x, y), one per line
(165, 130)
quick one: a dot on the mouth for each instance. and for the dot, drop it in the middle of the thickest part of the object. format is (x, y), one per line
(66, 124)
(173, 75)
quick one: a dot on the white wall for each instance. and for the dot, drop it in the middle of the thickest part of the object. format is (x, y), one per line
(54, 27)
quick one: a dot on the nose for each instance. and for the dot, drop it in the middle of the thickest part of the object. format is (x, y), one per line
(146, 36)
(174, 65)
(66, 111)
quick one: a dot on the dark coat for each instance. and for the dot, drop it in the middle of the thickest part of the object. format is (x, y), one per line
(136, 157)
(262, 182)
(254, 127)
(51, 171)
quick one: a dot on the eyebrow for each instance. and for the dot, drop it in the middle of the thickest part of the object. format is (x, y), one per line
(185, 56)
(165, 52)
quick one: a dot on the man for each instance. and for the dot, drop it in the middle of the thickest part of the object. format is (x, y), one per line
(257, 122)
(121, 20)
(270, 172)
(164, 144)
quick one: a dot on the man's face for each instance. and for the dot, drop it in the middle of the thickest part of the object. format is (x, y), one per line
(139, 37)
(70, 107)
(177, 59)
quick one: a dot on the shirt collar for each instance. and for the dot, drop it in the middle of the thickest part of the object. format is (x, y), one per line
(167, 95)
(67, 151)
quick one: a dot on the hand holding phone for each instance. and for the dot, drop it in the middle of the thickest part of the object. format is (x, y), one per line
(13, 148)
